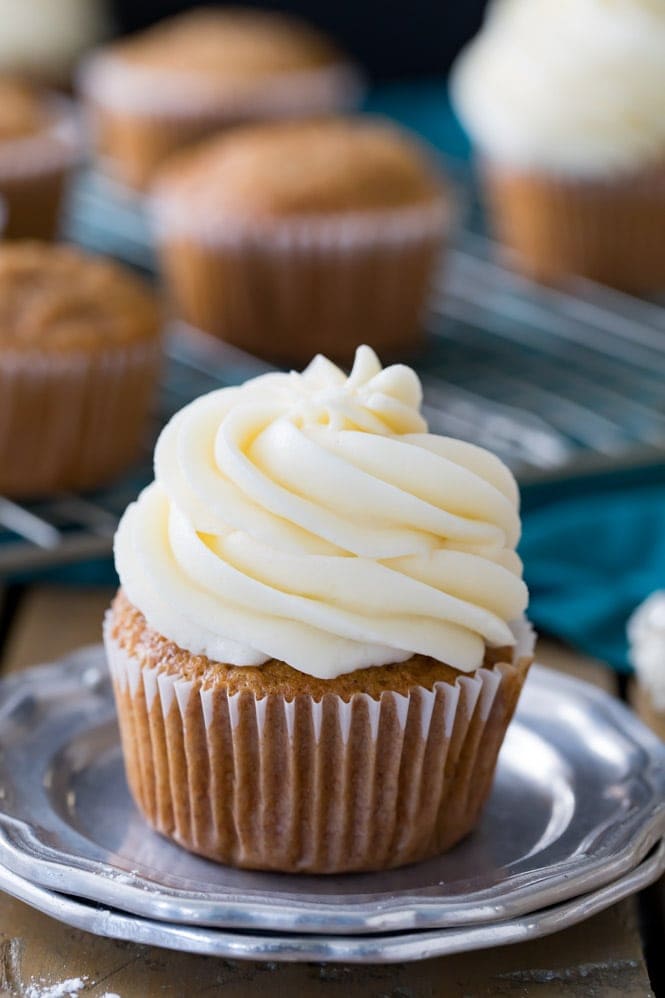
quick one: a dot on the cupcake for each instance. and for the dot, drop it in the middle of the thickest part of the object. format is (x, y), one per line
(295, 237)
(79, 351)
(42, 39)
(571, 136)
(204, 70)
(38, 148)
(646, 636)
(319, 639)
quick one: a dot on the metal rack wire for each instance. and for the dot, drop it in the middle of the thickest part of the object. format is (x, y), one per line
(554, 382)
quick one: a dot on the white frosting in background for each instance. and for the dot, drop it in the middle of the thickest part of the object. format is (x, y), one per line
(646, 634)
(566, 85)
(47, 36)
(311, 518)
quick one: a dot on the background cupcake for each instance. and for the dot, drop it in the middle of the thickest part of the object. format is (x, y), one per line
(79, 354)
(41, 40)
(157, 91)
(296, 237)
(317, 647)
(646, 635)
(565, 101)
(38, 148)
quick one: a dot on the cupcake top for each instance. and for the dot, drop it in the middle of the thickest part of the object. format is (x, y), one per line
(646, 634)
(209, 54)
(294, 169)
(22, 111)
(55, 299)
(312, 519)
(567, 85)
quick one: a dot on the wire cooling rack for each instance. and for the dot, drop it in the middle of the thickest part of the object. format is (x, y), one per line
(557, 383)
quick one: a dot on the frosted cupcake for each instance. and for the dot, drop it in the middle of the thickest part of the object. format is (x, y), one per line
(291, 238)
(41, 40)
(319, 643)
(565, 101)
(38, 148)
(646, 634)
(204, 70)
(79, 356)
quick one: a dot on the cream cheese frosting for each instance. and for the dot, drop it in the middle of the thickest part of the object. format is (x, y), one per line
(311, 518)
(646, 634)
(47, 36)
(566, 85)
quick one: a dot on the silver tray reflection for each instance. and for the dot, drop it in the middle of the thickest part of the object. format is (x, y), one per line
(385, 948)
(578, 802)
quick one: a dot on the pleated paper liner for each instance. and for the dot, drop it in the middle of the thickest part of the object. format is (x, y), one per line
(72, 421)
(288, 289)
(325, 786)
(34, 170)
(611, 230)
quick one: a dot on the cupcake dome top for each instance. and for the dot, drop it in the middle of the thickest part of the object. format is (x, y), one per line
(321, 167)
(22, 111)
(576, 86)
(228, 44)
(56, 299)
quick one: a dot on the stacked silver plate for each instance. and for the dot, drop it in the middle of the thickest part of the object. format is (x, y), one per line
(575, 822)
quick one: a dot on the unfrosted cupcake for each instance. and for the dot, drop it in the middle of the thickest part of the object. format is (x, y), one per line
(565, 101)
(204, 70)
(79, 352)
(291, 238)
(38, 148)
(646, 635)
(319, 643)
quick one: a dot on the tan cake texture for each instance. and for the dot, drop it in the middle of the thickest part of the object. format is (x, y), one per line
(79, 356)
(344, 754)
(38, 149)
(290, 238)
(209, 68)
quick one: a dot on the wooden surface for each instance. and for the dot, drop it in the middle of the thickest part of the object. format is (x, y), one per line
(601, 958)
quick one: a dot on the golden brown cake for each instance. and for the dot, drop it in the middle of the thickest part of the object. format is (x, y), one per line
(79, 353)
(38, 148)
(290, 238)
(201, 71)
(319, 641)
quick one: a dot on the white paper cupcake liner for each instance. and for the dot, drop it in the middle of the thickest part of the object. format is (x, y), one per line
(119, 86)
(72, 420)
(54, 149)
(313, 786)
(610, 229)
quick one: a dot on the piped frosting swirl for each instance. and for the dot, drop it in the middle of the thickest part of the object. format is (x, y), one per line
(311, 518)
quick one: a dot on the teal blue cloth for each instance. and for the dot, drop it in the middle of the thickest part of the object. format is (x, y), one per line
(590, 560)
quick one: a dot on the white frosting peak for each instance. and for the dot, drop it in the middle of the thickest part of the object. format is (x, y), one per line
(311, 518)
(646, 634)
(567, 85)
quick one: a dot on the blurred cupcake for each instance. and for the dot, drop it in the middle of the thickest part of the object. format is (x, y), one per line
(319, 642)
(191, 75)
(296, 237)
(79, 351)
(565, 100)
(38, 148)
(41, 40)
(646, 635)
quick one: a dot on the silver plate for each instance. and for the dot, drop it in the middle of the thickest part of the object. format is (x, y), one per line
(578, 801)
(387, 948)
